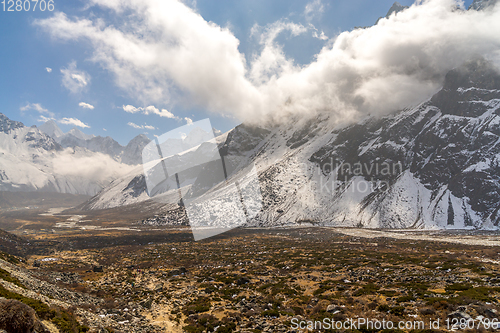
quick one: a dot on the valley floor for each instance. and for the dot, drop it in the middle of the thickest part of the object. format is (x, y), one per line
(262, 280)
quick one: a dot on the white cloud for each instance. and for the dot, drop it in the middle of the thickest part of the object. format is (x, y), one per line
(43, 119)
(163, 45)
(321, 36)
(93, 168)
(313, 8)
(166, 47)
(86, 105)
(48, 69)
(272, 60)
(66, 121)
(150, 110)
(188, 120)
(149, 127)
(74, 122)
(167, 114)
(131, 124)
(131, 109)
(37, 107)
(73, 79)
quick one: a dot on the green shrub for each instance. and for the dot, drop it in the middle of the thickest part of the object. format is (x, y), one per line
(407, 298)
(368, 289)
(42, 310)
(64, 320)
(9, 258)
(383, 308)
(201, 304)
(398, 310)
(271, 313)
(458, 287)
(4, 275)
(16, 316)
(478, 294)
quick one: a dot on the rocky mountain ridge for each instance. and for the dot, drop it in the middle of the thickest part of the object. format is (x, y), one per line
(129, 154)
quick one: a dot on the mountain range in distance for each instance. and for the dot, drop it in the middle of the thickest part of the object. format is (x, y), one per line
(47, 160)
(435, 165)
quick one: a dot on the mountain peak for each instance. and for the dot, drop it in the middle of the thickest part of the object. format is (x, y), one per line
(395, 8)
(79, 134)
(132, 153)
(140, 137)
(51, 129)
(482, 4)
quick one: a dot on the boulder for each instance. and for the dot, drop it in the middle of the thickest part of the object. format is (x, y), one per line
(97, 269)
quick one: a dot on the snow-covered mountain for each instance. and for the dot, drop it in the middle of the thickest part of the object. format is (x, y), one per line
(482, 4)
(30, 160)
(51, 129)
(435, 165)
(395, 8)
(130, 154)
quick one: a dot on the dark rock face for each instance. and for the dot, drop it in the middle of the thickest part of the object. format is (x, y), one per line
(236, 153)
(467, 88)
(395, 8)
(136, 186)
(449, 143)
(482, 4)
(243, 139)
(104, 145)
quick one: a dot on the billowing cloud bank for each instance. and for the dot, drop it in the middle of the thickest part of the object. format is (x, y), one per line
(165, 52)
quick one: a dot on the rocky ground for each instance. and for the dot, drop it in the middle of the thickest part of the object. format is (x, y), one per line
(259, 281)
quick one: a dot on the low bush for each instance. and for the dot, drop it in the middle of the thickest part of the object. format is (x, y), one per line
(16, 316)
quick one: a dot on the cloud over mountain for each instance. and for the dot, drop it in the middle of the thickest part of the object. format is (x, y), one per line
(74, 122)
(167, 52)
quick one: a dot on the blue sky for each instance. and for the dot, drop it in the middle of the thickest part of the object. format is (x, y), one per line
(80, 90)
